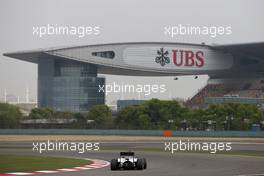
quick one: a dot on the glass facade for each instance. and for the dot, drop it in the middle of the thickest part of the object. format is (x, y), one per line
(66, 85)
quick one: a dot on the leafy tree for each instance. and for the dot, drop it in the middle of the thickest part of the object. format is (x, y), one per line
(102, 116)
(42, 113)
(126, 117)
(9, 115)
(153, 109)
(144, 121)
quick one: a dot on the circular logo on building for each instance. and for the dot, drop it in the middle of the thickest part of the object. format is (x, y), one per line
(162, 57)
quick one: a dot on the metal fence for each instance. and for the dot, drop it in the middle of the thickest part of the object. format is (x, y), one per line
(131, 132)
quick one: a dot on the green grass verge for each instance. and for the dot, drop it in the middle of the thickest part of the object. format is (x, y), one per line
(16, 163)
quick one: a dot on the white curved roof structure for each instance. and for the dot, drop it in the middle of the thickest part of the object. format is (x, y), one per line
(160, 59)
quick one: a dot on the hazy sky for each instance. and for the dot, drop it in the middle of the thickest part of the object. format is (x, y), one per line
(120, 21)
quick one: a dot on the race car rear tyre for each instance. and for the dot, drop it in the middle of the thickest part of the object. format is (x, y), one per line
(114, 164)
(140, 164)
(145, 163)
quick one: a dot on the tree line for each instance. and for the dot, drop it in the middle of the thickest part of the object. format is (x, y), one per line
(152, 114)
(159, 114)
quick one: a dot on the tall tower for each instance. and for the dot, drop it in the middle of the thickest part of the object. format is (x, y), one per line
(27, 95)
(5, 96)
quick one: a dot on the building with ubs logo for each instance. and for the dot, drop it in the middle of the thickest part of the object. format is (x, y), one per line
(68, 77)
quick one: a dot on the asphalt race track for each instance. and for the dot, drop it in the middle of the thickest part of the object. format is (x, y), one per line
(159, 163)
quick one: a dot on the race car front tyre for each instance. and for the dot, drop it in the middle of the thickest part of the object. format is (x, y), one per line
(114, 164)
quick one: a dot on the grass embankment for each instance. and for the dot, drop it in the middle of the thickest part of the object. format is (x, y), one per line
(14, 163)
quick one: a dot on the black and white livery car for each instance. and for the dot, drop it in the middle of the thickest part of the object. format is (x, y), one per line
(128, 161)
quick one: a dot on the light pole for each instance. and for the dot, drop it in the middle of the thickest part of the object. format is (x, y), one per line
(229, 121)
(170, 121)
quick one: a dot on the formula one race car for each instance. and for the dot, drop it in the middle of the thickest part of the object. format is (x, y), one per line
(128, 161)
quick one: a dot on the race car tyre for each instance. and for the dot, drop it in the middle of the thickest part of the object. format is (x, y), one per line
(114, 164)
(145, 163)
(140, 164)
